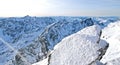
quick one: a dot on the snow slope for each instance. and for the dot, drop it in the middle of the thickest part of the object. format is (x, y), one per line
(111, 34)
(81, 48)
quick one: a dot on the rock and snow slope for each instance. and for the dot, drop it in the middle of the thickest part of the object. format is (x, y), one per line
(111, 34)
(81, 48)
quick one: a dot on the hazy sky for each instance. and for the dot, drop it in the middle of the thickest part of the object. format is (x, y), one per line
(59, 7)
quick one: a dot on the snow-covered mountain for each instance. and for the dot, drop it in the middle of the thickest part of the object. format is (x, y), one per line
(81, 48)
(29, 39)
(19, 33)
(30, 36)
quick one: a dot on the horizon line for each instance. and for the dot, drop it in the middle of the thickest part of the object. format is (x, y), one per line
(62, 16)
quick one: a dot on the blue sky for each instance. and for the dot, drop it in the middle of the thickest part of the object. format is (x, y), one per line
(60, 7)
(91, 7)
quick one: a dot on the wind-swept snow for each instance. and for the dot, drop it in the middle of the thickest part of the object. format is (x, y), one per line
(111, 34)
(81, 48)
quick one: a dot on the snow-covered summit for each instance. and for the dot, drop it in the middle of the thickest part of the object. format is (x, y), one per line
(81, 48)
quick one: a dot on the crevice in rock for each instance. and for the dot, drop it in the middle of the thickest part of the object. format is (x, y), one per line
(102, 50)
(49, 57)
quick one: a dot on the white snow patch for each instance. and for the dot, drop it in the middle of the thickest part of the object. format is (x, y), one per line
(43, 62)
(111, 34)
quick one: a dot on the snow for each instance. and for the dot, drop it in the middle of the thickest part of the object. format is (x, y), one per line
(24, 33)
(43, 62)
(32, 35)
(111, 34)
(81, 48)
(19, 33)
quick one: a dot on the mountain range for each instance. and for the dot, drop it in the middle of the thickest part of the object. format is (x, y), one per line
(27, 40)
